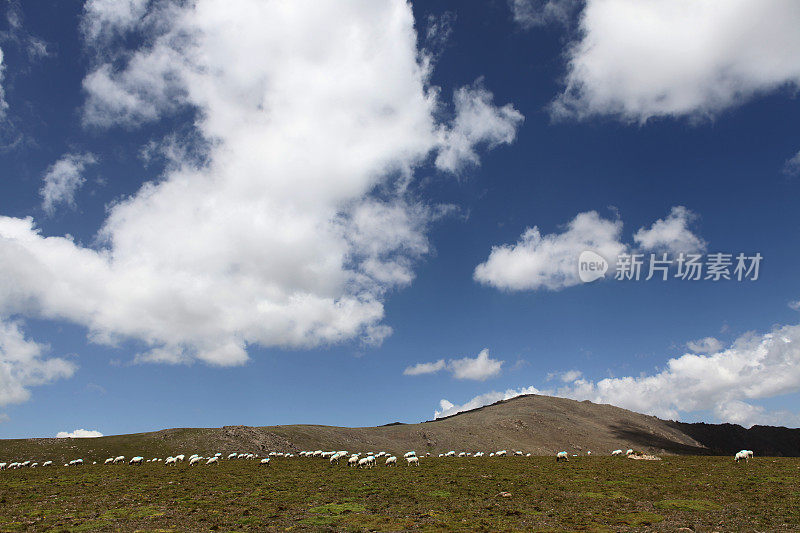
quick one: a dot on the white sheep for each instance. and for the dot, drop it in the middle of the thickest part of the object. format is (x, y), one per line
(213, 460)
(109, 461)
(34, 465)
(391, 461)
(413, 460)
(462, 454)
(491, 454)
(76, 462)
(451, 453)
(562, 456)
(616, 452)
(629, 451)
(3, 466)
(119, 459)
(741, 456)
(136, 460)
(195, 460)
(232, 455)
(353, 460)
(265, 461)
(518, 453)
(47, 463)
(180, 458)
(410, 454)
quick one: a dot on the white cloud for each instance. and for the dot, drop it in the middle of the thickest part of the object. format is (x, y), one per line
(448, 408)
(3, 103)
(795, 305)
(637, 60)
(671, 234)
(570, 375)
(23, 365)
(62, 179)
(79, 434)
(478, 121)
(550, 261)
(704, 346)
(479, 368)
(106, 19)
(539, 261)
(725, 382)
(425, 368)
(792, 166)
(531, 13)
(298, 219)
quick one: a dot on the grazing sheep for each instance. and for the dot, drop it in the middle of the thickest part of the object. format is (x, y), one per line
(413, 460)
(562, 456)
(109, 461)
(265, 461)
(195, 460)
(409, 454)
(34, 465)
(616, 452)
(451, 453)
(501, 453)
(462, 454)
(232, 455)
(749, 453)
(491, 454)
(628, 451)
(391, 461)
(47, 463)
(518, 453)
(179, 458)
(3, 466)
(213, 461)
(76, 462)
(119, 459)
(136, 460)
(170, 461)
(741, 456)
(353, 460)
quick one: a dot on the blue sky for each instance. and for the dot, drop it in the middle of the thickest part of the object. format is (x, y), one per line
(272, 214)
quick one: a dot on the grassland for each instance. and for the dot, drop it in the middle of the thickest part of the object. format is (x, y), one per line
(585, 494)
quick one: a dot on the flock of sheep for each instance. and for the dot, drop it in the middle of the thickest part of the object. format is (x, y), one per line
(365, 460)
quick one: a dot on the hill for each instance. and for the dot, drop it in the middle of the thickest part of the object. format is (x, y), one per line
(537, 424)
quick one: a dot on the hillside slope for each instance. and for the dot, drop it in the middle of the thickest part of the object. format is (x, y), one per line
(537, 424)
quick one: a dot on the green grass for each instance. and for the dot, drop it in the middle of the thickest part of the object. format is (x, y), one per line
(586, 494)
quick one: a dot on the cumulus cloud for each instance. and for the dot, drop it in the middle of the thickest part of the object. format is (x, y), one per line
(3, 103)
(637, 60)
(300, 216)
(62, 179)
(105, 19)
(724, 382)
(448, 408)
(79, 434)
(478, 121)
(671, 234)
(531, 13)
(792, 166)
(425, 368)
(479, 368)
(550, 261)
(23, 364)
(706, 345)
